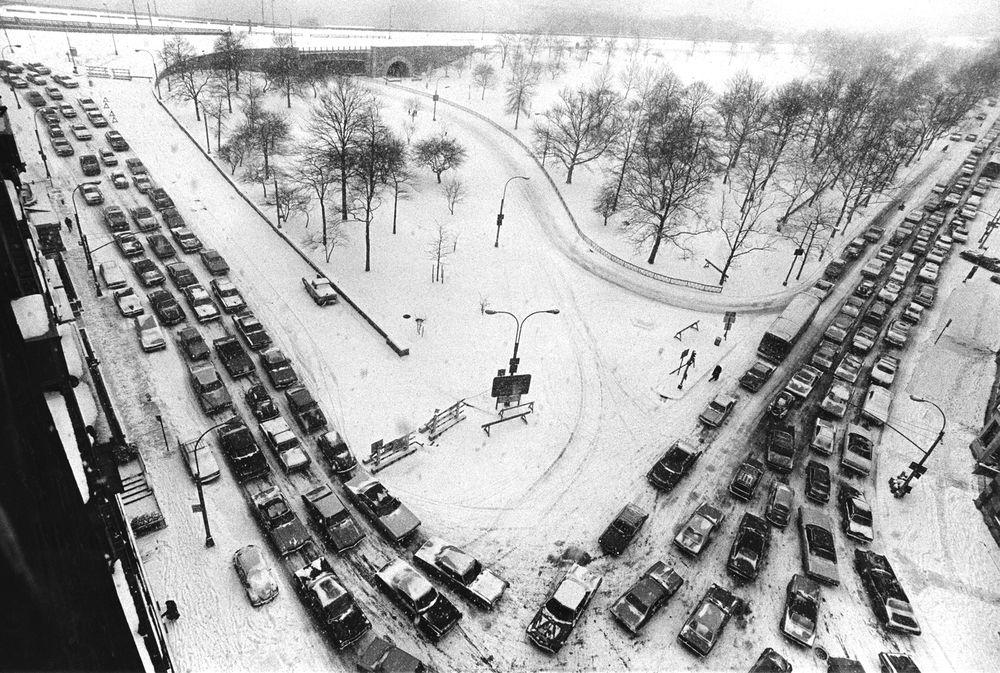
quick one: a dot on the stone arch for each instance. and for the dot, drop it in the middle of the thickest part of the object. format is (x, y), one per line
(399, 67)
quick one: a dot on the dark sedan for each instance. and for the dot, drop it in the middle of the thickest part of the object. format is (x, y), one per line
(622, 529)
(160, 246)
(674, 464)
(167, 309)
(645, 598)
(702, 629)
(261, 403)
(749, 552)
(333, 520)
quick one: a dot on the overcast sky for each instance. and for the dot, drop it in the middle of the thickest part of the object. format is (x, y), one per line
(947, 16)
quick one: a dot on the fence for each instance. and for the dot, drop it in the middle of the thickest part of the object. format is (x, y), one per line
(444, 420)
(384, 455)
(703, 287)
(108, 73)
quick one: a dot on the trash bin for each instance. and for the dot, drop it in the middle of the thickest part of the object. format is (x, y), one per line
(718, 341)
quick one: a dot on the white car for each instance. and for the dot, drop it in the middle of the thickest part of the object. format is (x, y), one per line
(936, 255)
(836, 400)
(884, 371)
(960, 234)
(201, 464)
(227, 294)
(128, 302)
(898, 332)
(285, 444)
(803, 381)
(858, 448)
(825, 436)
(873, 268)
(890, 291)
(112, 275)
(201, 303)
(876, 404)
(80, 132)
(865, 339)
(913, 313)
(255, 575)
(321, 290)
(465, 574)
(150, 334)
(849, 368)
(899, 273)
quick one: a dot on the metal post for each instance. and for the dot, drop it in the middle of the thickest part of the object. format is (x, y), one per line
(917, 469)
(209, 542)
(496, 243)
(70, 52)
(277, 204)
(517, 336)
(156, 73)
(204, 112)
(135, 14)
(41, 150)
(163, 430)
(111, 29)
(435, 97)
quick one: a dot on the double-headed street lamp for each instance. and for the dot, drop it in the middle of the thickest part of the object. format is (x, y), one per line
(41, 151)
(83, 239)
(13, 91)
(496, 243)
(434, 116)
(517, 337)
(209, 542)
(156, 74)
(900, 485)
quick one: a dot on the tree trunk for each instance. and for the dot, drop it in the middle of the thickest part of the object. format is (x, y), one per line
(197, 115)
(368, 242)
(483, 97)
(322, 216)
(569, 174)
(439, 176)
(517, 113)
(656, 241)
(343, 184)
(395, 207)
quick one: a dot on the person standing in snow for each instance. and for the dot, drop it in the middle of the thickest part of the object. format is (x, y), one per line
(716, 373)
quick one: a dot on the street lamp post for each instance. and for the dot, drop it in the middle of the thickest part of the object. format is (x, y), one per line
(209, 542)
(517, 337)
(496, 243)
(70, 53)
(13, 91)
(156, 73)
(111, 28)
(900, 485)
(41, 151)
(434, 116)
(83, 239)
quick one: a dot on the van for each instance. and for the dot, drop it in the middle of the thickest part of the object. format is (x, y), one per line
(112, 275)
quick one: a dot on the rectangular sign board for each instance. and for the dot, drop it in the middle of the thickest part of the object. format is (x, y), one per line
(507, 386)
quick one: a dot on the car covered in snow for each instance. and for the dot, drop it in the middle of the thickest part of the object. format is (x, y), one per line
(750, 546)
(233, 356)
(193, 344)
(854, 306)
(278, 368)
(252, 330)
(181, 274)
(858, 448)
(679, 459)
(780, 453)
(865, 288)
(925, 296)
(817, 481)
(80, 132)
(135, 166)
(108, 158)
(839, 328)
(781, 404)
(622, 529)
(150, 335)
(824, 356)
(703, 628)
(747, 477)
(112, 275)
(889, 601)
(756, 376)
(803, 382)
(875, 404)
(261, 403)
(336, 453)
(144, 219)
(148, 273)
(321, 290)
(128, 302)
(91, 194)
(387, 513)
(864, 339)
(285, 444)
(172, 218)
(898, 333)
(201, 303)
(779, 504)
(696, 533)
(255, 575)
(61, 146)
(884, 371)
(800, 620)
(128, 244)
(717, 410)
(279, 522)
(142, 183)
(432, 612)
(305, 409)
(117, 142)
(165, 306)
(209, 389)
(855, 514)
(552, 625)
(824, 436)
(186, 239)
(382, 656)
(160, 199)
(889, 292)
(119, 180)
(161, 246)
(331, 518)
(330, 603)
(464, 573)
(228, 295)
(214, 262)
(645, 598)
(836, 400)
(819, 556)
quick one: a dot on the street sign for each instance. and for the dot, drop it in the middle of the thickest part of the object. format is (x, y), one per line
(196, 508)
(917, 470)
(507, 386)
(729, 319)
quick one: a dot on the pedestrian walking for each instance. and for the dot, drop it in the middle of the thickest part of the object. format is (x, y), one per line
(693, 355)
(420, 325)
(69, 224)
(171, 612)
(716, 373)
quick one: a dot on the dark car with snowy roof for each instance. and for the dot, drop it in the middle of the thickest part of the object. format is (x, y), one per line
(388, 514)
(552, 625)
(466, 575)
(704, 626)
(645, 598)
(331, 604)
(750, 546)
(332, 518)
(432, 612)
(622, 529)
(675, 463)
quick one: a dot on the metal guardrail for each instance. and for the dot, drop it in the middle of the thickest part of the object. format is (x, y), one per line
(695, 285)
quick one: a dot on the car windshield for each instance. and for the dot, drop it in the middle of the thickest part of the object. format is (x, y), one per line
(803, 611)
(821, 543)
(860, 446)
(751, 545)
(275, 509)
(675, 459)
(558, 610)
(214, 384)
(381, 502)
(636, 602)
(859, 514)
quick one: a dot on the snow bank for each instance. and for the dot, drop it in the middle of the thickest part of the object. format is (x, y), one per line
(31, 316)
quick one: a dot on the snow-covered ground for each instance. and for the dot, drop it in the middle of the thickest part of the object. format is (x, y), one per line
(523, 496)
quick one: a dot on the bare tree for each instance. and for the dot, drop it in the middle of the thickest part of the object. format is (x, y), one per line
(336, 121)
(400, 176)
(582, 125)
(587, 47)
(485, 77)
(253, 171)
(413, 106)
(610, 47)
(231, 48)
(521, 87)
(235, 151)
(215, 109)
(439, 153)
(604, 202)
(743, 227)
(270, 135)
(289, 199)
(743, 109)
(440, 246)
(336, 234)
(376, 150)
(505, 41)
(314, 171)
(179, 56)
(454, 193)
(282, 67)
(530, 45)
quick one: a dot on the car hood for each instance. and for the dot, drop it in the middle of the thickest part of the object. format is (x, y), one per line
(231, 302)
(130, 304)
(856, 462)
(151, 338)
(205, 311)
(400, 522)
(290, 536)
(313, 419)
(547, 632)
(345, 533)
(628, 615)
(614, 540)
(744, 566)
(822, 569)
(261, 587)
(347, 627)
(859, 531)
(712, 416)
(439, 618)
(217, 398)
(799, 632)
(294, 458)
(283, 376)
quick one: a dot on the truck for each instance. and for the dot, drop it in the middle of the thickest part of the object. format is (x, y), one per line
(234, 358)
(242, 452)
(281, 525)
(330, 604)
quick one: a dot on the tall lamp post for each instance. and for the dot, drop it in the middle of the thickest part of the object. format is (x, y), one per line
(156, 73)
(12, 90)
(41, 151)
(111, 28)
(517, 337)
(209, 542)
(434, 116)
(900, 485)
(83, 239)
(496, 243)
